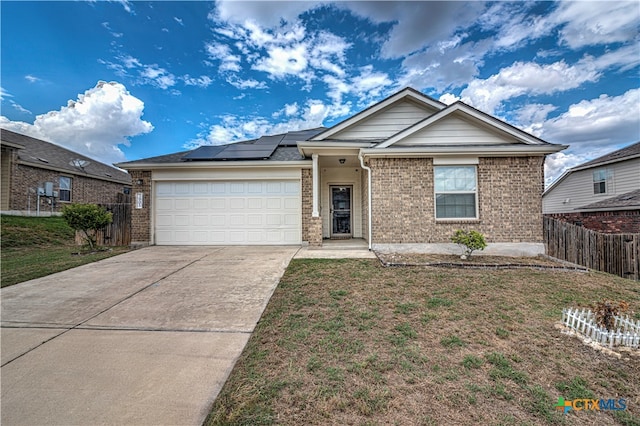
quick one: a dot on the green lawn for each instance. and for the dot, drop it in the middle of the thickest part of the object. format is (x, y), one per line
(32, 247)
(351, 342)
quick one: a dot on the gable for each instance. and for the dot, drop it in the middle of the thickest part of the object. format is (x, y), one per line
(453, 130)
(386, 122)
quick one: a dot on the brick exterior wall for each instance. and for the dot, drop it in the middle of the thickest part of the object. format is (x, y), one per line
(311, 226)
(509, 201)
(612, 222)
(141, 218)
(83, 189)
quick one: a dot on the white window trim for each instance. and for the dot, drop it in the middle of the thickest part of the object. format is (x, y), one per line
(608, 182)
(70, 190)
(435, 193)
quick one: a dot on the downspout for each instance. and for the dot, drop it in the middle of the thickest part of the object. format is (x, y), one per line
(368, 169)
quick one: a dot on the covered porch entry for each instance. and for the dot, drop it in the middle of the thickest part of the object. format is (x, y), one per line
(339, 197)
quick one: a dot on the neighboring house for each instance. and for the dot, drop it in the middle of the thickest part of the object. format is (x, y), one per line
(601, 194)
(34, 170)
(404, 173)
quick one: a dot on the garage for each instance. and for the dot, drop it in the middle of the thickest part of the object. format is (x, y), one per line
(227, 212)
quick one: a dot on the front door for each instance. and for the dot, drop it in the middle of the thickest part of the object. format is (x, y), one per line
(341, 211)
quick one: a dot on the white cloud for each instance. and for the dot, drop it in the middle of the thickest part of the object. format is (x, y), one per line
(592, 128)
(232, 128)
(282, 62)
(370, 83)
(202, 81)
(32, 79)
(597, 22)
(526, 78)
(4, 94)
(100, 120)
(449, 98)
(250, 83)
(19, 107)
(531, 116)
(600, 121)
(150, 74)
(222, 53)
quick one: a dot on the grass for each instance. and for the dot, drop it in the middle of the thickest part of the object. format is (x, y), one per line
(33, 247)
(351, 342)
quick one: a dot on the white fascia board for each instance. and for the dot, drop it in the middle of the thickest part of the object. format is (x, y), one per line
(220, 165)
(486, 120)
(331, 148)
(443, 151)
(405, 93)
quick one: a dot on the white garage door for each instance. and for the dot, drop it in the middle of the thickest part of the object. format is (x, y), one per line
(227, 212)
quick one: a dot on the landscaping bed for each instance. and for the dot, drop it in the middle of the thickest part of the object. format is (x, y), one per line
(475, 261)
(352, 342)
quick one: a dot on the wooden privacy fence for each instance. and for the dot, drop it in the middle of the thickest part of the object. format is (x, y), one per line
(617, 254)
(625, 332)
(118, 233)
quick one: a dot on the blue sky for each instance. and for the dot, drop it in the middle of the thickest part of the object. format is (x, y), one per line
(126, 80)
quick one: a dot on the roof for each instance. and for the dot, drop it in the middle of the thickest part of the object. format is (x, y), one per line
(280, 147)
(46, 155)
(623, 154)
(627, 201)
(627, 153)
(475, 114)
(277, 148)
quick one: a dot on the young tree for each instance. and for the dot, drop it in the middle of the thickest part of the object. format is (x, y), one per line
(470, 240)
(88, 219)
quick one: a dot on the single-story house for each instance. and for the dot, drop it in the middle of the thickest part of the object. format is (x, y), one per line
(404, 173)
(602, 194)
(35, 171)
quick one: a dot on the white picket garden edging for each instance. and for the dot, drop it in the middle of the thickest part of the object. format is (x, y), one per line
(626, 331)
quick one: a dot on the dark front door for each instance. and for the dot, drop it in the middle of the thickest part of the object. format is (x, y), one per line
(341, 211)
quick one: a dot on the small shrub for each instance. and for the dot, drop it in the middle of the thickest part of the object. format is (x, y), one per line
(471, 361)
(606, 312)
(470, 241)
(88, 219)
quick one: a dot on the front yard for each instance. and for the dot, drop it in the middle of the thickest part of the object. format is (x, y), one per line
(32, 247)
(352, 342)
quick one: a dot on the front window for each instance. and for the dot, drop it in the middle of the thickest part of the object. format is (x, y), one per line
(455, 192)
(64, 192)
(602, 181)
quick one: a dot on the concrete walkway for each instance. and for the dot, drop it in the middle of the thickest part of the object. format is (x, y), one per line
(145, 338)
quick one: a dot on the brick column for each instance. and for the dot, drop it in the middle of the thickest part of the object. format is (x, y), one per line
(141, 217)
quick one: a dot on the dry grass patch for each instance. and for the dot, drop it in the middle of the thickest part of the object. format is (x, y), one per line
(351, 342)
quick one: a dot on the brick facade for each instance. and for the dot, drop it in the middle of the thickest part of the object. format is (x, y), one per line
(509, 201)
(311, 226)
(611, 222)
(141, 217)
(25, 178)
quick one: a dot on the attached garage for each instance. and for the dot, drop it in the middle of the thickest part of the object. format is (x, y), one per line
(227, 212)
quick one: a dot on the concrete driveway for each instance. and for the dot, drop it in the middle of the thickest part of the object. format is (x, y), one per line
(147, 337)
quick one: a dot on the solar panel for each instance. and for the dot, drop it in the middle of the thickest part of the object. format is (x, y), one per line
(206, 152)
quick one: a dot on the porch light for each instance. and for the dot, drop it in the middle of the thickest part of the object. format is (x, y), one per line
(139, 182)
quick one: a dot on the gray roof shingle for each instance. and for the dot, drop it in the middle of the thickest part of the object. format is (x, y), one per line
(628, 200)
(47, 155)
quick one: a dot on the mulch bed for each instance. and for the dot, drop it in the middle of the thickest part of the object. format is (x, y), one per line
(475, 261)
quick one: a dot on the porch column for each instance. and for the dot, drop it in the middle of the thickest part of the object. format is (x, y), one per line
(314, 187)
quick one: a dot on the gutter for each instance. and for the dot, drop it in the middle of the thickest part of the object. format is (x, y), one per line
(368, 169)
